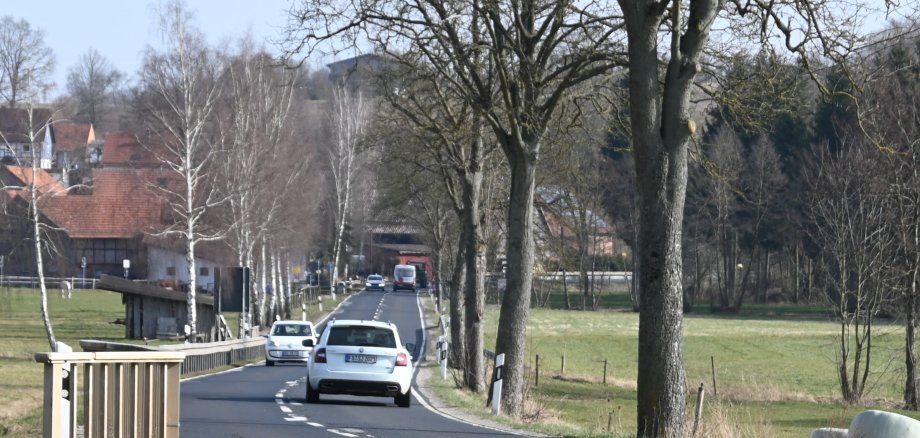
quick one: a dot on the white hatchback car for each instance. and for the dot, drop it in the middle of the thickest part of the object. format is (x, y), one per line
(375, 282)
(361, 358)
(285, 342)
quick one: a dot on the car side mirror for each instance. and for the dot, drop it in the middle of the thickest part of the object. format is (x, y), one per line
(410, 346)
(307, 342)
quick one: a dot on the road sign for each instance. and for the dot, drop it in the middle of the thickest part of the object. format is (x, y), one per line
(296, 269)
(83, 262)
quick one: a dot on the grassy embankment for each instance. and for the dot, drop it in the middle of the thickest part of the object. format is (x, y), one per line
(89, 315)
(774, 365)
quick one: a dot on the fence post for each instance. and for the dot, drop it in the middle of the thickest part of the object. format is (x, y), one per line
(605, 371)
(537, 366)
(497, 386)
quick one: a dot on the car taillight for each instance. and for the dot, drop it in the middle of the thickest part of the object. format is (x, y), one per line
(320, 356)
(402, 359)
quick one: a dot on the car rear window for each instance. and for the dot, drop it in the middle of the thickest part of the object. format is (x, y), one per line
(362, 336)
(292, 330)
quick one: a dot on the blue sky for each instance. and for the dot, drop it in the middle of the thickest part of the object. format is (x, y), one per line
(121, 29)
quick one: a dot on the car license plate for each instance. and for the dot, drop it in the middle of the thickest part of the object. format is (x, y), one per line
(361, 358)
(290, 353)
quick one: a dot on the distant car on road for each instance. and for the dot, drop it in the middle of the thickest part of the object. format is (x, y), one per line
(404, 277)
(374, 282)
(360, 358)
(285, 342)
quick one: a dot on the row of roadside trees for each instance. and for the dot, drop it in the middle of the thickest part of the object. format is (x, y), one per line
(480, 79)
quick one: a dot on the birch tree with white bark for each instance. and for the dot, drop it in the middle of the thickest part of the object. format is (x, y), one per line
(180, 89)
(257, 132)
(349, 122)
(34, 191)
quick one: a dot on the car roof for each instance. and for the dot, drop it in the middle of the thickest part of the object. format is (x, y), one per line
(292, 321)
(336, 322)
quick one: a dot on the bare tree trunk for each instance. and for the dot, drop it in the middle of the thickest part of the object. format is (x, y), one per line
(475, 260)
(661, 129)
(350, 120)
(457, 319)
(263, 282)
(565, 285)
(192, 284)
(910, 356)
(516, 303)
(39, 261)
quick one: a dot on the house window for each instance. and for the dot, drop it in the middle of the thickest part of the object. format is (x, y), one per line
(135, 157)
(103, 251)
(26, 148)
(161, 182)
(171, 271)
(204, 272)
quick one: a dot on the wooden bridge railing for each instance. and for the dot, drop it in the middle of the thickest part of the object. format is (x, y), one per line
(125, 394)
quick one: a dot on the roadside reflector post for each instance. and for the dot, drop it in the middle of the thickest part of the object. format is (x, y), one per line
(497, 383)
(442, 355)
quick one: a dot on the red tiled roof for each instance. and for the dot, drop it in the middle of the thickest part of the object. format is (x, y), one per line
(44, 182)
(14, 124)
(128, 149)
(70, 137)
(123, 204)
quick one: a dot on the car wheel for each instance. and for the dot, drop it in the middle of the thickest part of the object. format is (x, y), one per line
(269, 363)
(404, 400)
(312, 396)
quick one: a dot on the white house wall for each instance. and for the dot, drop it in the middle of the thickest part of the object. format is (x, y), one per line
(159, 261)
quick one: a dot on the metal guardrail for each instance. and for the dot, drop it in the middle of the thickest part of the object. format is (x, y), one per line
(198, 357)
(204, 357)
(131, 393)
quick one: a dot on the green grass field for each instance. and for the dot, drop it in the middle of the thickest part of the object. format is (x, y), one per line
(775, 370)
(88, 315)
(774, 366)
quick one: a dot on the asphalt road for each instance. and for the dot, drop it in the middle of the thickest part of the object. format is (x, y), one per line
(260, 401)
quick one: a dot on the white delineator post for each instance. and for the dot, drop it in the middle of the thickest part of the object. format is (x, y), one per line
(497, 385)
(442, 355)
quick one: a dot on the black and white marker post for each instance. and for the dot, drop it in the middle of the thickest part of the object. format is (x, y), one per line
(442, 355)
(497, 383)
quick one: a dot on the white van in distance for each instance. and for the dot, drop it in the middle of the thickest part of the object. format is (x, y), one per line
(404, 277)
